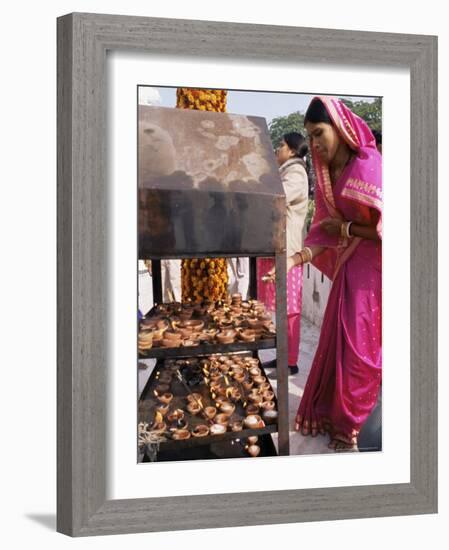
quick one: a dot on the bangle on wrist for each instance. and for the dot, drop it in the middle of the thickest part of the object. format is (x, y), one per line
(309, 254)
(344, 230)
(301, 258)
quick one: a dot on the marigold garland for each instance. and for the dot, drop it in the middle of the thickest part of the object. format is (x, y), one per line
(204, 279)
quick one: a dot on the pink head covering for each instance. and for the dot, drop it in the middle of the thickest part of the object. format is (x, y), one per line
(362, 186)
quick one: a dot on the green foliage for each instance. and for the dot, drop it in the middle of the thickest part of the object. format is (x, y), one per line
(370, 112)
(310, 213)
(279, 126)
(294, 122)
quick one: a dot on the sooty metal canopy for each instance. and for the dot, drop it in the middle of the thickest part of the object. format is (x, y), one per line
(209, 184)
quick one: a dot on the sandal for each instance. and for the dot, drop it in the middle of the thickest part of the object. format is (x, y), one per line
(343, 447)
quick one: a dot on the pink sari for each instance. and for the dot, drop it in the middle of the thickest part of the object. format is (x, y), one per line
(345, 377)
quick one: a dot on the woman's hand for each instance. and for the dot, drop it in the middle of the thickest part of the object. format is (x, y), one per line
(291, 262)
(332, 226)
(269, 277)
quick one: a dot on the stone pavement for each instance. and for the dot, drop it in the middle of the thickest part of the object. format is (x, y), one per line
(300, 445)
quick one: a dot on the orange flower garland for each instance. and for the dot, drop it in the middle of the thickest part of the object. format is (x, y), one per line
(204, 279)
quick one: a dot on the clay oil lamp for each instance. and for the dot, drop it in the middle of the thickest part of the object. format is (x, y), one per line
(270, 416)
(224, 368)
(253, 450)
(162, 325)
(180, 434)
(252, 439)
(255, 371)
(186, 314)
(237, 369)
(214, 388)
(195, 324)
(210, 412)
(222, 419)
(148, 324)
(264, 387)
(227, 408)
(252, 409)
(160, 389)
(176, 415)
(225, 336)
(226, 324)
(239, 321)
(204, 337)
(255, 398)
(234, 393)
(254, 323)
(246, 306)
(217, 429)
(170, 343)
(185, 332)
(215, 375)
(162, 408)
(220, 401)
(190, 343)
(193, 397)
(237, 426)
(200, 431)
(252, 421)
(193, 408)
(247, 335)
(268, 405)
(268, 395)
(172, 335)
(259, 380)
(165, 397)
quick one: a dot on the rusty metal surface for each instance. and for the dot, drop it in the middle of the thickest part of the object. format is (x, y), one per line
(208, 183)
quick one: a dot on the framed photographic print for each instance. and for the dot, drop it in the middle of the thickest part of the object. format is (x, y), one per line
(230, 195)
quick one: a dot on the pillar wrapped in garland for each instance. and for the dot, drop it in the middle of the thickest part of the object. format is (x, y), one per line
(205, 278)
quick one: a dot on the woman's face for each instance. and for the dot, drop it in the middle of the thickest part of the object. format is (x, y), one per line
(283, 153)
(324, 140)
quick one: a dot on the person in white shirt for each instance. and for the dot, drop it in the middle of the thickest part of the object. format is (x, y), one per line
(292, 167)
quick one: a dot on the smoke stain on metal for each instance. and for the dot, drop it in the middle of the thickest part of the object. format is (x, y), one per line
(208, 183)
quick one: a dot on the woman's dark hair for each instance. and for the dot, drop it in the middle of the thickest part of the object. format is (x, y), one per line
(377, 136)
(297, 143)
(316, 112)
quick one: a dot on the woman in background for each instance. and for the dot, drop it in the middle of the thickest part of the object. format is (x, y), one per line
(292, 169)
(344, 242)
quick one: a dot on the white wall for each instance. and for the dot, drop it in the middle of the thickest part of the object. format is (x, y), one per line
(315, 292)
(28, 301)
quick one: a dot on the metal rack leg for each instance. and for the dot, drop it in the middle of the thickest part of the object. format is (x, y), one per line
(281, 353)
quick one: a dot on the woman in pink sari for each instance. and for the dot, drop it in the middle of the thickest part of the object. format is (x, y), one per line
(344, 243)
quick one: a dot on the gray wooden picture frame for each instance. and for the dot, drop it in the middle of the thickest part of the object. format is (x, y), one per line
(83, 41)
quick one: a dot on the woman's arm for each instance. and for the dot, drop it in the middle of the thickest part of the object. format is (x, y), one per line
(292, 261)
(365, 231)
(333, 226)
(297, 259)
